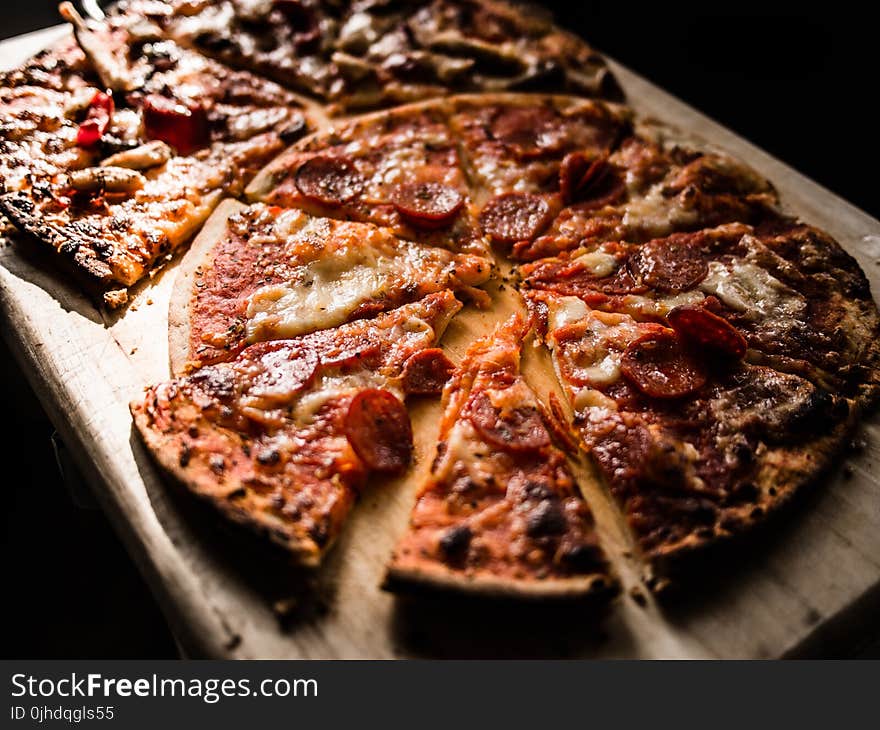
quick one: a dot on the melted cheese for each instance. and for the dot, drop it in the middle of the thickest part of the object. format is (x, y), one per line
(326, 292)
(656, 215)
(589, 398)
(661, 306)
(567, 310)
(605, 372)
(747, 288)
(599, 263)
(333, 386)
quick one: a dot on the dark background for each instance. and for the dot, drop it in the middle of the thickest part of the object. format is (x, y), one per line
(800, 84)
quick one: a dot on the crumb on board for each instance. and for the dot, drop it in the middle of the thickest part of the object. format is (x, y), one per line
(115, 298)
(638, 596)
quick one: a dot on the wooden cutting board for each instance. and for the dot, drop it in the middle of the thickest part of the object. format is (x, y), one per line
(809, 583)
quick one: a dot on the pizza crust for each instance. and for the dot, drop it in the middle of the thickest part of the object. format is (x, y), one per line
(784, 474)
(432, 577)
(302, 550)
(198, 256)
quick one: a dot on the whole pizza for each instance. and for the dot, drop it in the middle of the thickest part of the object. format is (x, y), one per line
(649, 338)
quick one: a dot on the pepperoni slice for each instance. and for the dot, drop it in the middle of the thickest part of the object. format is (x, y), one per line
(580, 171)
(669, 264)
(513, 217)
(282, 374)
(528, 131)
(702, 327)
(519, 429)
(428, 204)
(659, 366)
(426, 372)
(378, 428)
(329, 180)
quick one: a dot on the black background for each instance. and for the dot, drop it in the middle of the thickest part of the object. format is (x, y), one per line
(801, 84)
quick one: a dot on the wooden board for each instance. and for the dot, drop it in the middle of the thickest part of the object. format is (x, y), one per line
(808, 584)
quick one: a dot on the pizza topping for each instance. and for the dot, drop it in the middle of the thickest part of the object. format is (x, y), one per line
(378, 428)
(143, 157)
(669, 265)
(546, 519)
(748, 288)
(281, 375)
(184, 126)
(110, 68)
(517, 429)
(356, 269)
(581, 174)
(426, 372)
(659, 366)
(529, 131)
(455, 541)
(514, 217)
(97, 120)
(428, 204)
(702, 327)
(105, 180)
(329, 180)
(304, 22)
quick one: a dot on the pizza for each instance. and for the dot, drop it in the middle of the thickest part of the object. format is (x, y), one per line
(500, 513)
(710, 374)
(283, 437)
(386, 201)
(401, 169)
(374, 53)
(118, 145)
(261, 272)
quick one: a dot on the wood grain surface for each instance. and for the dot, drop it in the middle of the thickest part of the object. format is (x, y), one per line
(807, 583)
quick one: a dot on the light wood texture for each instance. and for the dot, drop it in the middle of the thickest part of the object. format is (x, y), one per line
(805, 584)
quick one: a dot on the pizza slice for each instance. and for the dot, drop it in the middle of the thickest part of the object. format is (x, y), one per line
(390, 54)
(289, 41)
(283, 438)
(647, 188)
(373, 54)
(500, 513)
(694, 442)
(517, 148)
(263, 273)
(400, 169)
(761, 290)
(118, 145)
(115, 223)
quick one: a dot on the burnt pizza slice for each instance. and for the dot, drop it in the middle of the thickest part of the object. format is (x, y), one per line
(500, 513)
(372, 54)
(117, 145)
(400, 169)
(259, 272)
(115, 223)
(394, 53)
(289, 41)
(694, 442)
(283, 438)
